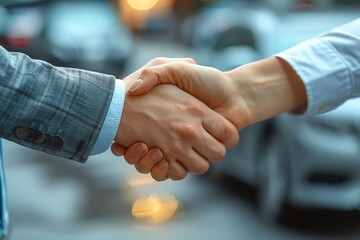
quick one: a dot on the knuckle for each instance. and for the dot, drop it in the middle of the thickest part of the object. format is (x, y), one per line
(195, 109)
(219, 154)
(141, 169)
(131, 158)
(189, 132)
(157, 177)
(146, 71)
(191, 60)
(175, 147)
(178, 176)
(158, 61)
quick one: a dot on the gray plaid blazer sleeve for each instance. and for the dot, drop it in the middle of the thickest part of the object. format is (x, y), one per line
(55, 110)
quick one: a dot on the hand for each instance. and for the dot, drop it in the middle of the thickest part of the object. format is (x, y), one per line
(145, 161)
(180, 125)
(211, 86)
(244, 95)
(137, 154)
(186, 130)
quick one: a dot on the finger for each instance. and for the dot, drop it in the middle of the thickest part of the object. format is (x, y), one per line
(117, 149)
(145, 164)
(210, 149)
(159, 171)
(224, 131)
(176, 171)
(141, 86)
(135, 152)
(160, 61)
(195, 162)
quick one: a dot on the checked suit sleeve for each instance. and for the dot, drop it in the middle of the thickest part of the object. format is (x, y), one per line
(55, 110)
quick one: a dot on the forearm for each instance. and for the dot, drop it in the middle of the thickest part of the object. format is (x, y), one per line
(61, 110)
(268, 87)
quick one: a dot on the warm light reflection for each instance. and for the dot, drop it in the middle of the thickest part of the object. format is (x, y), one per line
(157, 208)
(140, 180)
(136, 13)
(142, 5)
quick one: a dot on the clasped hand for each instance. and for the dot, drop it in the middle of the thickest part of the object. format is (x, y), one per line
(191, 133)
(183, 132)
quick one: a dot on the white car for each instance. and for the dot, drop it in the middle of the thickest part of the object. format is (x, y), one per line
(313, 161)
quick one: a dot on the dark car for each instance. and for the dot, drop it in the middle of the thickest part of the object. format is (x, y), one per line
(81, 34)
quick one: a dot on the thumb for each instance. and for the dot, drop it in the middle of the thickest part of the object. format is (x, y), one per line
(166, 73)
(147, 81)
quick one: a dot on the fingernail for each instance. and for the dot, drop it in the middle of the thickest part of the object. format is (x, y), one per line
(139, 149)
(136, 85)
(155, 155)
(116, 152)
(162, 164)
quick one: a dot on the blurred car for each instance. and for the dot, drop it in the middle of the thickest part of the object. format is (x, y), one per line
(281, 157)
(229, 34)
(82, 34)
(226, 35)
(313, 161)
(300, 161)
(21, 27)
(89, 35)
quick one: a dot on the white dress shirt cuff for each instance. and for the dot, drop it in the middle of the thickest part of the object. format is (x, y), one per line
(112, 120)
(324, 72)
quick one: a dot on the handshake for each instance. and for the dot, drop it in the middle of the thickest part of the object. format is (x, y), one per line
(179, 116)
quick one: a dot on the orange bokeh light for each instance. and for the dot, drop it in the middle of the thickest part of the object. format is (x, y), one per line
(142, 5)
(135, 13)
(156, 208)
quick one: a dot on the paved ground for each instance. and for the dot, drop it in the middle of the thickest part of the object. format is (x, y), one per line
(52, 198)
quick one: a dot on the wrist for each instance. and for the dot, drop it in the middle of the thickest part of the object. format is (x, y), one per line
(268, 87)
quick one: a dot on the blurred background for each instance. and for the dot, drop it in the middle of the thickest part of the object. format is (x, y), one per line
(289, 177)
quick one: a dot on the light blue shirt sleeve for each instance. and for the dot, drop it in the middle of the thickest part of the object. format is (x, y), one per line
(329, 66)
(112, 120)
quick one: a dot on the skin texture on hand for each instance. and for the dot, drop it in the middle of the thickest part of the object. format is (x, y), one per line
(209, 85)
(137, 154)
(188, 132)
(245, 95)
